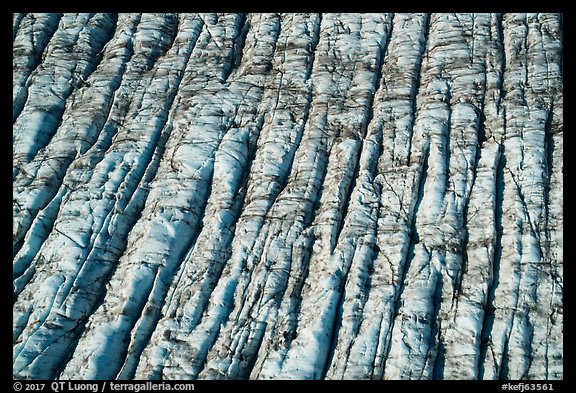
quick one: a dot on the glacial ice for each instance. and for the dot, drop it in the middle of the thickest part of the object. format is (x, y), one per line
(287, 196)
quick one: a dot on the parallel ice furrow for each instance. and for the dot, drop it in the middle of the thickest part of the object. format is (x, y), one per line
(336, 127)
(436, 256)
(521, 320)
(30, 39)
(464, 345)
(88, 235)
(71, 56)
(359, 353)
(201, 268)
(89, 362)
(80, 129)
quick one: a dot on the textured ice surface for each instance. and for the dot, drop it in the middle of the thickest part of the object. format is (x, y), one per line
(294, 196)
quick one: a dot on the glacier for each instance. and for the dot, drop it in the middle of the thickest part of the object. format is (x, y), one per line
(287, 196)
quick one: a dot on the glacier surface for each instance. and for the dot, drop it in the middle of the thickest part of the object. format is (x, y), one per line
(287, 196)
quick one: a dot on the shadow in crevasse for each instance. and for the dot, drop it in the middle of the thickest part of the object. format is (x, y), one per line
(488, 322)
